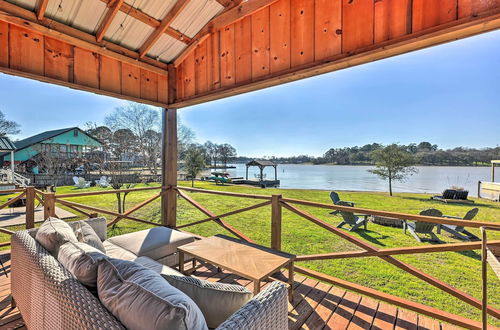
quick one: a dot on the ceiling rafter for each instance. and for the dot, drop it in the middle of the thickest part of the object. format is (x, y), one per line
(113, 8)
(164, 25)
(40, 10)
(235, 12)
(150, 20)
(74, 36)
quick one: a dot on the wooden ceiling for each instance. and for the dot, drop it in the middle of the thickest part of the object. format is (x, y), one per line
(247, 45)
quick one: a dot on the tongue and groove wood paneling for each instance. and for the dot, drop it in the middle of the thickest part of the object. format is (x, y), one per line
(36, 54)
(293, 35)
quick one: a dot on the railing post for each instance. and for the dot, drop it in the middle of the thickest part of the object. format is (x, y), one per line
(30, 207)
(276, 222)
(49, 202)
(484, 278)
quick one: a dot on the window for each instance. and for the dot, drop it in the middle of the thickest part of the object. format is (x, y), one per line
(75, 133)
(74, 149)
(63, 148)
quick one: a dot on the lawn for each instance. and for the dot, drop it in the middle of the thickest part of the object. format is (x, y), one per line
(460, 269)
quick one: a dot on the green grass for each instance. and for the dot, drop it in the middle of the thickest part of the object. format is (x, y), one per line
(460, 269)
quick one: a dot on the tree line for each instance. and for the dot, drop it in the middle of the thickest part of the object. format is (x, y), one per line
(425, 153)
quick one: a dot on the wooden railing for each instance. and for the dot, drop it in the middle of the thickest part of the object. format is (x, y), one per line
(277, 203)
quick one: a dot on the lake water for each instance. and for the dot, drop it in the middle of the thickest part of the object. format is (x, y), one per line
(429, 179)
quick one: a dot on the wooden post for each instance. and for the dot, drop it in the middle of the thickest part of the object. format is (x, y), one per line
(247, 172)
(276, 222)
(49, 202)
(30, 207)
(169, 168)
(275, 173)
(484, 277)
(492, 172)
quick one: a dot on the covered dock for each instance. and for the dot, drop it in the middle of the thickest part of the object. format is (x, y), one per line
(490, 189)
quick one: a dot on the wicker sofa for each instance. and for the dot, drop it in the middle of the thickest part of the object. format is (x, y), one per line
(50, 297)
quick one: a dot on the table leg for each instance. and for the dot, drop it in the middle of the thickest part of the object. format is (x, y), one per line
(290, 281)
(256, 287)
(181, 262)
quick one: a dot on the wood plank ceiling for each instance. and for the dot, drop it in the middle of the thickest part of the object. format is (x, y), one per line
(208, 49)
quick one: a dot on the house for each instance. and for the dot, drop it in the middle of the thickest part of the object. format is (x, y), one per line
(60, 143)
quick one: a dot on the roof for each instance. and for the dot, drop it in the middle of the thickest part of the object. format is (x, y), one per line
(261, 163)
(21, 144)
(6, 144)
(45, 136)
(135, 21)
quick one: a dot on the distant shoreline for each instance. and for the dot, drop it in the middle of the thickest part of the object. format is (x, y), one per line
(330, 164)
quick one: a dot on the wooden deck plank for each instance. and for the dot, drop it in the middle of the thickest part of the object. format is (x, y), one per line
(425, 323)
(344, 312)
(406, 320)
(325, 309)
(364, 315)
(301, 313)
(385, 317)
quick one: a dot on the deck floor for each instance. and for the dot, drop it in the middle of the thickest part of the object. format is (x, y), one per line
(316, 305)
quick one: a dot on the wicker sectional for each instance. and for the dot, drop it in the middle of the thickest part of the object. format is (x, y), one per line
(49, 297)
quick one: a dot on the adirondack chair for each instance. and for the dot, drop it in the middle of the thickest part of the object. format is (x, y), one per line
(418, 227)
(81, 183)
(103, 182)
(459, 231)
(351, 219)
(336, 199)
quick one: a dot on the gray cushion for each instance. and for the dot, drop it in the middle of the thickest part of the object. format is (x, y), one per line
(155, 243)
(156, 266)
(53, 233)
(141, 299)
(86, 234)
(81, 260)
(114, 251)
(98, 224)
(217, 301)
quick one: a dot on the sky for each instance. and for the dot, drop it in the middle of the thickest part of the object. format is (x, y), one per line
(448, 95)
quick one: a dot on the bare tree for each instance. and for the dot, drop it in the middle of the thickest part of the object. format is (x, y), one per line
(152, 143)
(212, 152)
(8, 127)
(139, 119)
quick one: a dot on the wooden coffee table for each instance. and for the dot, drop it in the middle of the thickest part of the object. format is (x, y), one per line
(247, 260)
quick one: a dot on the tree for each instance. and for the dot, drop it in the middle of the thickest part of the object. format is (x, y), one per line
(185, 137)
(139, 119)
(212, 152)
(393, 162)
(8, 127)
(226, 152)
(194, 162)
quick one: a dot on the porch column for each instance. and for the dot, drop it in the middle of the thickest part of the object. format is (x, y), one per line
(12, 167)
(169, 168)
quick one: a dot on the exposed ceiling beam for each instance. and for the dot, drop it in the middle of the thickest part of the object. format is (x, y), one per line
(113, 8)
(150, 20)
(40, 10)
(165, 23)
(230, 15)
(27, 19)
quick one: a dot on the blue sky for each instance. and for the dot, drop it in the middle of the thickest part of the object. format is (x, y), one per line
(448, 95)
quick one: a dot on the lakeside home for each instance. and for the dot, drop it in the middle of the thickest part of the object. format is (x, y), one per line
(263, 259)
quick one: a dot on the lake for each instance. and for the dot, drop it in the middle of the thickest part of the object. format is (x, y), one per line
(429, 179)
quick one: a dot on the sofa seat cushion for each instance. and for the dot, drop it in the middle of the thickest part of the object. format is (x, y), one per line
(155, 243)
(141, 299)
(81, 260)
(53, 233)
(156, 266)
(114, 251)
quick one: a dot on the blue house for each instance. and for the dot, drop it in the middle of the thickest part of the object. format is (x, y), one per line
(61, 143)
